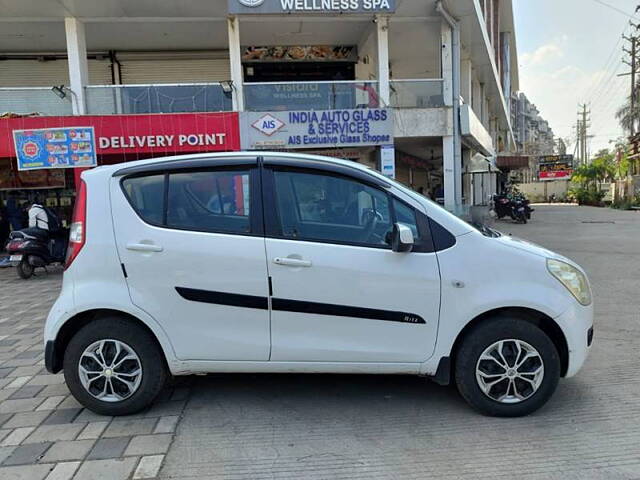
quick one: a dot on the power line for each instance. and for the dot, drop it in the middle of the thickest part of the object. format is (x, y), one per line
(593, 88)
(612, 7)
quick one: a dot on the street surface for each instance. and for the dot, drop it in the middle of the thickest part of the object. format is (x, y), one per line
(342, 427)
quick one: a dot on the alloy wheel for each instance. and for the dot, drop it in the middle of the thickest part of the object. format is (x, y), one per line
(110, 370)
(510, 371)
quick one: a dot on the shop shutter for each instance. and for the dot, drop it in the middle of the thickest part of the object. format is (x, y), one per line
(100, 72)
(201, 70)
(34, 73)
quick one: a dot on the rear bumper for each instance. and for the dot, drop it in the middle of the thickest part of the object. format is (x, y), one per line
(52, 358)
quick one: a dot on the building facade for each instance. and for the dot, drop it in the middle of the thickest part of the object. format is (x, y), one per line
(420, 89)
(532, 133)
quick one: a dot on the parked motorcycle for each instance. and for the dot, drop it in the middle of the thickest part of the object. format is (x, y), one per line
(516, 208)
(32, 248)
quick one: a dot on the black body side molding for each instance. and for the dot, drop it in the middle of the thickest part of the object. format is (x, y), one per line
(284, 305)
(222, 298)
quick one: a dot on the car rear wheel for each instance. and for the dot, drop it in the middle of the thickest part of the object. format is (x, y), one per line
(507, 367)
(114, 367)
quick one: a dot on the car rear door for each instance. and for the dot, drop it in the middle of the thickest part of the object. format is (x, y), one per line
(190, 239)
(340, 294)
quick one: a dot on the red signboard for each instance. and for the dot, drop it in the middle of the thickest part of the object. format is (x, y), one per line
(140, 134)
(556, 175)
(555, 167)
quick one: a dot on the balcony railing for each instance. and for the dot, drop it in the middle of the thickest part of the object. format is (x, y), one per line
(279, 96)
(426, 93)
(164, 98)
(41, 100)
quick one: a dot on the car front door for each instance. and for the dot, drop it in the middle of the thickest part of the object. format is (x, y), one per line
(191, 243)
(340, 294)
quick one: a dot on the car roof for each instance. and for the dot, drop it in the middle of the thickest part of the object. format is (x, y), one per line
(232, 155)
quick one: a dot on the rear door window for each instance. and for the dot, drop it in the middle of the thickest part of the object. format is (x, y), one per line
(205, 201)
(146, 195)
(210, 201)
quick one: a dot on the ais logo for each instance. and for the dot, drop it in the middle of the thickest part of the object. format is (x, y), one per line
(251, 3)
(268, 124)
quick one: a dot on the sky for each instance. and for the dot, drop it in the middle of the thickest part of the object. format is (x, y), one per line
(570, 52)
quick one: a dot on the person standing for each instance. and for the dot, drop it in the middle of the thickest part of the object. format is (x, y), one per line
(5, 226)
(4, 234)
(14, 214)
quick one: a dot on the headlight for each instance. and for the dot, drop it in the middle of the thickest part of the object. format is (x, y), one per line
(572, 278)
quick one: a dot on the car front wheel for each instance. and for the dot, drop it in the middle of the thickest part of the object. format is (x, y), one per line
(507, 367)
(114, 367)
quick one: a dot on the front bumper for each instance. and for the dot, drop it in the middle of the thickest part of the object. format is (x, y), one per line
(577, 325)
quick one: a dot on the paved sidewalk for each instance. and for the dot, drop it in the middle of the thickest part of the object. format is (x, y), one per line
(44, 432)
(384, 427)
(341, 427)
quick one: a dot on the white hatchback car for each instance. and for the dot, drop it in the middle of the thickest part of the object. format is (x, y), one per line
(278, 262)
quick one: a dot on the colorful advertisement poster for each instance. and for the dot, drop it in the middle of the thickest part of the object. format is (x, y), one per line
(69, 147)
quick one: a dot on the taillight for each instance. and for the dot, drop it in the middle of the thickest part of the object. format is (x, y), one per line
(78, 231)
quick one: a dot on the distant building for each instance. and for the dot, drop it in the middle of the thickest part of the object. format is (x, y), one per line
(532, 133)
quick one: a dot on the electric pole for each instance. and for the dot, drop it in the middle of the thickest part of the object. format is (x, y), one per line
(584, 122)
(634, 62)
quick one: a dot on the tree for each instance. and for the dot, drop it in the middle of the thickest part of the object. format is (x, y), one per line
(629, 118)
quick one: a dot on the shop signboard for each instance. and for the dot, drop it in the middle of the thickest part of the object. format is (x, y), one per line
(136, 134)
(306, 7)
(300, 53)
(316, 129)
(555, 167)
(42, 148)
(310, 96)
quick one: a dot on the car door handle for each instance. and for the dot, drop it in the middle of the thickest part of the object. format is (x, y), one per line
(144, 247)
(291, 262)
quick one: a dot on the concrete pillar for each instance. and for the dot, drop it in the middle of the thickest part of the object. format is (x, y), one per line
(465, 81)
(382, 50)
(477, 98)
(447, 63)
(467, 186)
(235, 59)
(78, 67)
(449, 171)
(451, 145)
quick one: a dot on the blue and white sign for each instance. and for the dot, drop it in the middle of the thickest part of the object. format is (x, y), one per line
(316, 129)
(388, 160)
(55, 148)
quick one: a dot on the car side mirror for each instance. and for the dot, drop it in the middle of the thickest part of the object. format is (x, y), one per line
(401, 238)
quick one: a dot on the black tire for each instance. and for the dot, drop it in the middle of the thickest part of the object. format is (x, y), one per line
(25, 271)
(154, 370)
(482, 337)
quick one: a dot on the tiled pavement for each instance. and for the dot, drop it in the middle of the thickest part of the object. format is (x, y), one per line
(44, 432)
(297, 427)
